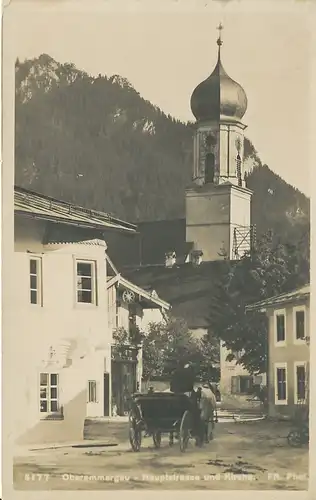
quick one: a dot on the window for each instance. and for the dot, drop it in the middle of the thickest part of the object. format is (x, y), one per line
(299, 323)
(49, 397)
(35, 281)
(92, 391)
(280, 384)
(280, 319)
(245, 384)
(300, 383)
(86, 286)
(280, 327)
(241, 384)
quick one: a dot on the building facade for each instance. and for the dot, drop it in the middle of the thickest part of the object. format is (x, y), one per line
(288, 350)
(236, 383)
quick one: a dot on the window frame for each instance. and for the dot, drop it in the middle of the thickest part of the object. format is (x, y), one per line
(295, 339)
(279, 312)
(276, 400)
(39, 277)
(95, 399)
(249, 378)
(296, 365)
(44, 415)
(94, 297)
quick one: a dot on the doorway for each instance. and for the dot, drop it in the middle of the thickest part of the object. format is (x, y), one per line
(123, 384)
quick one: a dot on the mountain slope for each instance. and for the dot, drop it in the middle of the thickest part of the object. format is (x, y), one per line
(96, 142)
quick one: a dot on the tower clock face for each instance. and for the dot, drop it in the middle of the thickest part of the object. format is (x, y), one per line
(210, 140)
(238, 144)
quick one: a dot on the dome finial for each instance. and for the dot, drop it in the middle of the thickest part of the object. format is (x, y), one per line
(220, 27)
(218, 95)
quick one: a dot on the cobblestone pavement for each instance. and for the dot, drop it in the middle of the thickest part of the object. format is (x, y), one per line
(242, 456)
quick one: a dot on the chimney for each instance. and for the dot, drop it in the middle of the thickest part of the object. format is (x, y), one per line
(196, 257)
(170, 259)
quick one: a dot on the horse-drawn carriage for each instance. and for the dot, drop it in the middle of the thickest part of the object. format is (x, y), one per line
(165, 413)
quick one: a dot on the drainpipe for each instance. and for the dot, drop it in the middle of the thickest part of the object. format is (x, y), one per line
(267, 370)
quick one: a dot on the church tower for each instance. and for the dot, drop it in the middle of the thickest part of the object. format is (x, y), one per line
(218, 203)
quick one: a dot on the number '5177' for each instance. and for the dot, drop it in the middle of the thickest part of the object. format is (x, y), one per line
(36, 477)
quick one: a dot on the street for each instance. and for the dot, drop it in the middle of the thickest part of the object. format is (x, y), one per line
(253, 455)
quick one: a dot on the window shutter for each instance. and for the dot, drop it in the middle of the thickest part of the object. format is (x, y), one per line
(281, 384)
(300, 382)
(300, 324)
(235, 385)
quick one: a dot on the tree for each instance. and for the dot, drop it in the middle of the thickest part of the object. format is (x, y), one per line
(270, 269)
(167, 345)
(208, 367)
(153, 351)
(126, 341)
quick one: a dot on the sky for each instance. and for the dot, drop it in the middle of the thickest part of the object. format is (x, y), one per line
(166, 53)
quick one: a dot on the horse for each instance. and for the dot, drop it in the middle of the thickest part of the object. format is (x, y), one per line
(206, 403)
(208, 410)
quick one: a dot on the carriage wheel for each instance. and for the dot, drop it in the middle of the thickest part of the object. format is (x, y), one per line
(184, 434)
(157, 439)
(294, 439)
(135, 433)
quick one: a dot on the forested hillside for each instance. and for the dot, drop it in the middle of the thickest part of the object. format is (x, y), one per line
(96, 142)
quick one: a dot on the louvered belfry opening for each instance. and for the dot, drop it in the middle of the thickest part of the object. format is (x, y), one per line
(209, 167)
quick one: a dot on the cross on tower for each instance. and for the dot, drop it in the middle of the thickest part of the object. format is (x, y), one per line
(219, 28)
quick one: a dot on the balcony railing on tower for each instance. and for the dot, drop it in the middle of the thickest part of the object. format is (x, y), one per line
(244, 239)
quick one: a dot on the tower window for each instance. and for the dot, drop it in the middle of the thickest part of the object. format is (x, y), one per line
(209, 168)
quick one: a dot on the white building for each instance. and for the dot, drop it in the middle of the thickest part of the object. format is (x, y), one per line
(59, 317)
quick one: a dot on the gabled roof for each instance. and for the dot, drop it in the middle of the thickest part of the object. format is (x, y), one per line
(298, 295)
(149, 296)
(189, 289)
(31, 204)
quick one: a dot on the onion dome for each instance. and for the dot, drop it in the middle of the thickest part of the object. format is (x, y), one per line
(219, 96)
